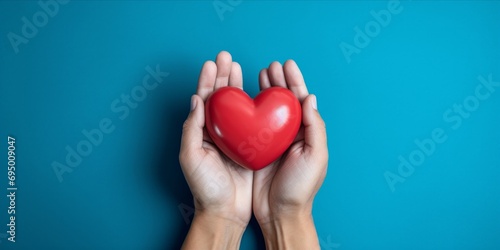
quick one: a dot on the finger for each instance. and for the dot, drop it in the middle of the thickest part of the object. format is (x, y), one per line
(223, 61)
(206, 81)
(192, 130)
(295, 80)
(300, 135)
(314, 127)
(206, 136)
(276, 75)
(264, 82)
(236, 76)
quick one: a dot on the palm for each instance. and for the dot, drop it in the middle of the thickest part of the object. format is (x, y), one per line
(277, 184)
(226, 186)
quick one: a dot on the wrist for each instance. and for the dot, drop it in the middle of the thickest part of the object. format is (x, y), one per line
(290, 230)
(227, 213)
(229, 217)
(213, 231)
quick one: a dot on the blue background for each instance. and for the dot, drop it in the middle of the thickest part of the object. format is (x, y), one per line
(126, 194)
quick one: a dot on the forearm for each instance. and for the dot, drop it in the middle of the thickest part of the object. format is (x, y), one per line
(212, 232)
(290, 232)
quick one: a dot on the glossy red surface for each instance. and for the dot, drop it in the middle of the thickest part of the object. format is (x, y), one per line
(253, 133)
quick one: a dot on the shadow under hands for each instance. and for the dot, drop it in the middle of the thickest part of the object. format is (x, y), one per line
(254, 228)
(168, 171)
(171, 111)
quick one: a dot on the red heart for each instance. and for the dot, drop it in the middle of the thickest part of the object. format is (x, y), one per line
(253, 133)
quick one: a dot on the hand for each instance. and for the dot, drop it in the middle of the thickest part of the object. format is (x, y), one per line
(222, 190)
(283, 192)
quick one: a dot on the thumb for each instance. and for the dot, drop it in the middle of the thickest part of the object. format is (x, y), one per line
(314, 126)
(192, 130)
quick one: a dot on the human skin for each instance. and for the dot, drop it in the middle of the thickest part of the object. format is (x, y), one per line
(280, 195)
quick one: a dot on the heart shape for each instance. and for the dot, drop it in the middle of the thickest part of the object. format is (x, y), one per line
(253, 133)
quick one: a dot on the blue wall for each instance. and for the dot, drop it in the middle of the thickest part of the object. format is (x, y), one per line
(410, 103)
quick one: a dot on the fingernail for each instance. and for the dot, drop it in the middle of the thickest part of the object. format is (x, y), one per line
(314, 102)
(193, 103)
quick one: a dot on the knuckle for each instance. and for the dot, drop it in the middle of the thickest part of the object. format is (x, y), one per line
(322, 123)
(184, 157)
(186, 125)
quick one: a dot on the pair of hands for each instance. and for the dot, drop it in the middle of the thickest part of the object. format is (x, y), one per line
(280, 195)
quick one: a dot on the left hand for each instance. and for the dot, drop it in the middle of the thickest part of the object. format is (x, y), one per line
(222, 190)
